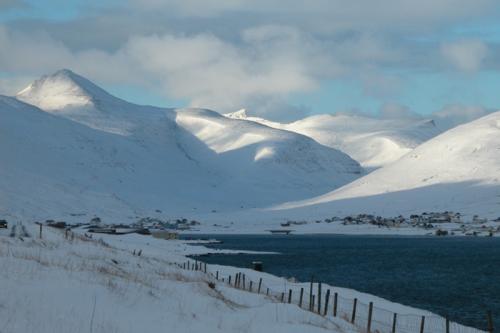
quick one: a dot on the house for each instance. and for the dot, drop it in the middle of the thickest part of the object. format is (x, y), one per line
(165, 234)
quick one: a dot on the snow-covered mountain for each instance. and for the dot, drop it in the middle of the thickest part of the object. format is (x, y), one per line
(370, 141)
(458, 170)
(76, 149)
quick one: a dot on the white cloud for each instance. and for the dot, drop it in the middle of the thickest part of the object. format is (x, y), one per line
(230, 54)
(217, 74)
(465, 55)
(455, 114)
(392, 110)
(204, 69)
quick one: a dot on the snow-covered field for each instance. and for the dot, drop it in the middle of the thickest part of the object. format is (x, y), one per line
(77, 284)
(58, 285)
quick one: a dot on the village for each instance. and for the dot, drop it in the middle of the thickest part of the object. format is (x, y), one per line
(437, 223)
(447, 223)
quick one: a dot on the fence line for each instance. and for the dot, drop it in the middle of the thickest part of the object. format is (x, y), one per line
(327, 302)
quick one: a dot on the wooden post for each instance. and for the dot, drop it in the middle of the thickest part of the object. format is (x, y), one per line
(311, 294)
(319, 298)
(40, 230)
(301, 296)
(188, 265)
(312, 305)
(327, 298)
(282, 297)
(260, 285)
(422, 324)
(354, 304)
(267, 292)
(243, 281)
(290, 296)
(490, 322)
(335, 299)
(217, 275)
(229, 280)
(447, 325)
(250, 288)
(394, 320)
(205, 268)
(370, 313)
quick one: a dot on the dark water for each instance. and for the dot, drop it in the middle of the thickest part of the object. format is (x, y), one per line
(458, 277)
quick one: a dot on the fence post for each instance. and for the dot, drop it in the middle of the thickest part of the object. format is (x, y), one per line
(394, 320)
(250, 287)
(217, 275)
(327, 298)
(290, 296)
(205, 268)
(229, 280)
(282, 297)
(301, 296)
(243, 281)
(40, 230)
(319, 298)
(490, 322)
(312, 306)
(311, 303)
(422, 324)
(447, 325)
(267, 292)
(260, 285)
(335, 299)
(354, 304)
(370, 313)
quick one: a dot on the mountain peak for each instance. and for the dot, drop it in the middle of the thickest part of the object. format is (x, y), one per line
(240, 114)
(62, 89)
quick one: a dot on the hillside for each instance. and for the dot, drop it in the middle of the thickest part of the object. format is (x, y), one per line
(78, 150)
(370, 141)
(457, 170)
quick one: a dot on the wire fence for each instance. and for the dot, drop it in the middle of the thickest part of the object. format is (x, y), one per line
(326, 302)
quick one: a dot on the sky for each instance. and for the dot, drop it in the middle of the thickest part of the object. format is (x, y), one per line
(279, 59)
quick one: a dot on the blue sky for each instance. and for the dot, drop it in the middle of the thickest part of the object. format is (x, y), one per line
(282, 62)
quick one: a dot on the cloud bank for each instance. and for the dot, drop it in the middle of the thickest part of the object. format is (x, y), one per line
(227, 55)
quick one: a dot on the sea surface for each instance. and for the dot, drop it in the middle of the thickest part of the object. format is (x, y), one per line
(457, 277)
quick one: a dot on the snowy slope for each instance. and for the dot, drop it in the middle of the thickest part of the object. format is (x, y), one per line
(58, 285)
(458, 170)
(372, 142)
(89, 152)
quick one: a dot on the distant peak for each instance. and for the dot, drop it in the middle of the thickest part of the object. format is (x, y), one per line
(240, 114)
(61, 89)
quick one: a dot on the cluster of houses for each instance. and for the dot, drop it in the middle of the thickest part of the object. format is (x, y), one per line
(156, 223)
(165, 229)
(434, 221)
